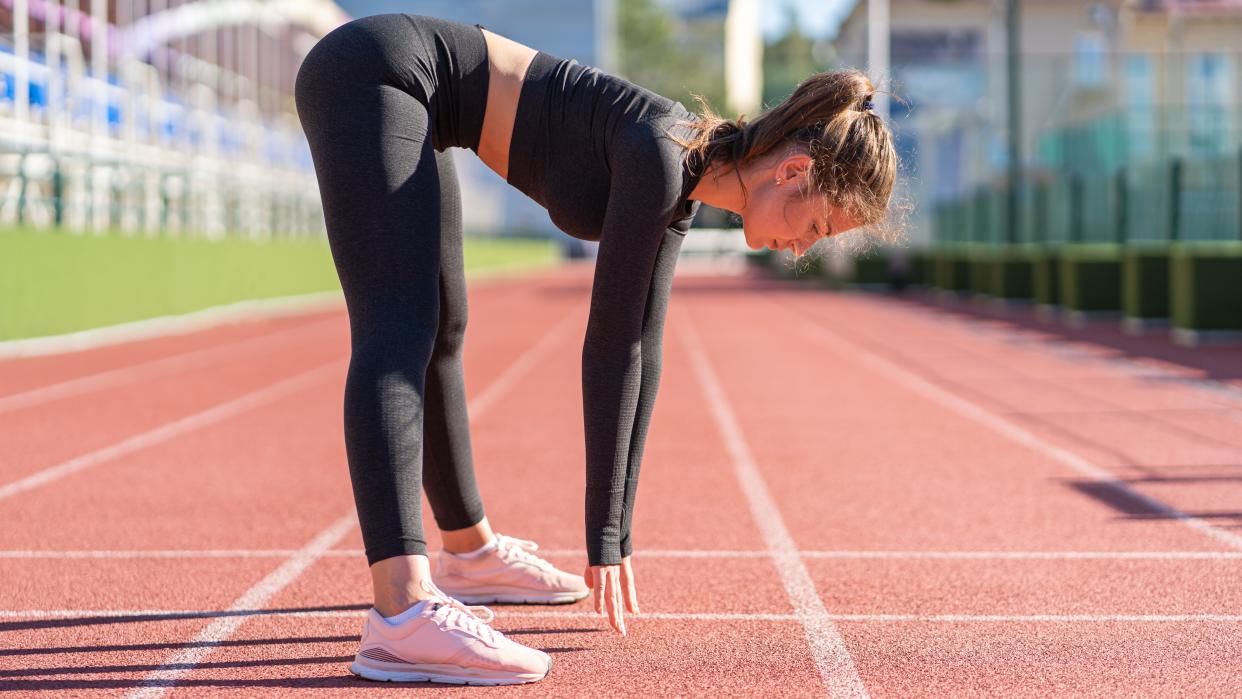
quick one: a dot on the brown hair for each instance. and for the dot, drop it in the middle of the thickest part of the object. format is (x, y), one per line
(855, 163)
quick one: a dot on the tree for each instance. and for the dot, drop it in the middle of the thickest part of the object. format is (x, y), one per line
(787, 61)
(668, 56)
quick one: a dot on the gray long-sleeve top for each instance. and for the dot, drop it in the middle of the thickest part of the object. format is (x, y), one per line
(592, 149)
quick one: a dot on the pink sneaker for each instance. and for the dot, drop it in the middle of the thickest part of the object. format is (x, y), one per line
(444, 641)
(508, 574)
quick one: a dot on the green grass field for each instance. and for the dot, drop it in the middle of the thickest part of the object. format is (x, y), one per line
(52, 282)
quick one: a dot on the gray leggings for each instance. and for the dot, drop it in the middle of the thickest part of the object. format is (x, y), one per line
(379, 103)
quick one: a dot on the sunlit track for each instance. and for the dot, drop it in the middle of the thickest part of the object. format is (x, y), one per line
(1225, 397)
(972, 411)
(801, 508)
(658, 553)
(158, 681)
(828, 648)
(165, 366)
(172, 430)
(178, 665)
(504, 613)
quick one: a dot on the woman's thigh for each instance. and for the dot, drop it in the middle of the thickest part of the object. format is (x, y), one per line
(380, 186)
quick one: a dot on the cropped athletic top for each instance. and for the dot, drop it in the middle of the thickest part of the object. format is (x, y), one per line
(592, 148)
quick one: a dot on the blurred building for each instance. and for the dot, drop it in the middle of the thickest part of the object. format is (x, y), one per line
(1103, 84)
(157, 116)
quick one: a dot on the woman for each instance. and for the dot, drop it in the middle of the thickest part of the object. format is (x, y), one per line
(380, 99)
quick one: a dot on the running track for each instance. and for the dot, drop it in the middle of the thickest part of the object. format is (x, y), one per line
(842, 494)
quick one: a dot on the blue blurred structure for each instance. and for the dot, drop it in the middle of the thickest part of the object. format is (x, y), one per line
(157, 115)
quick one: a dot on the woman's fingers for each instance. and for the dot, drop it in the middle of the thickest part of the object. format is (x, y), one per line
(608, 595)
(628, 586)
(616, 616)
(600, 582)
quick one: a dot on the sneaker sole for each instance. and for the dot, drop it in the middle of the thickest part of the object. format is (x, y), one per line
(446, 674)
(518, 597)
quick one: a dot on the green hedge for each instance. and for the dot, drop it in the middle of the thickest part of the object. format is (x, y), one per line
(871, 268)
(1206, 286)
(1013, 276)
(1145, 281)
(1046, 276)
(1091, 277)
(950, 268)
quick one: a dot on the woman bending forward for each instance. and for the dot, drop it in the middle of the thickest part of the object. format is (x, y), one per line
(381, 99)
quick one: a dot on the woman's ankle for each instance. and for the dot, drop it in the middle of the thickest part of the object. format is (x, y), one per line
(401, 582)
(391, 608)
(469, 539)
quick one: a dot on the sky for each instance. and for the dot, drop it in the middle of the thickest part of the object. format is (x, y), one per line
(819, 18)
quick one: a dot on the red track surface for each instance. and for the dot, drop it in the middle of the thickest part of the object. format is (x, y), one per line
(937, 502)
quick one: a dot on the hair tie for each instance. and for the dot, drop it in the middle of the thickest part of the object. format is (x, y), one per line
(867, 105)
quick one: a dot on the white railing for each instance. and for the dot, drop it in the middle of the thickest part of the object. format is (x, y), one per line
(126, 153)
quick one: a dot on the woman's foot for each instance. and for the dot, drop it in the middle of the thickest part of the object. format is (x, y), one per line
(442, 640)
(505, 571)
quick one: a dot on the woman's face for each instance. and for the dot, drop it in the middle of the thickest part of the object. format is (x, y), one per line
(779, 217)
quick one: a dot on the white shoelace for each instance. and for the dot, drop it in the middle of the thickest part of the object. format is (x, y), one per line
(466, 616)
(512, 548)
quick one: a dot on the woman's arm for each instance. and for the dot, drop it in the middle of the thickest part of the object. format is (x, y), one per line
(652, 352)
(635, 228)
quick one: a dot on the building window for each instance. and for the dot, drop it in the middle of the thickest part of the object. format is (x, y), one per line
(1090, 60)
(1208, 95)
(1139, 100)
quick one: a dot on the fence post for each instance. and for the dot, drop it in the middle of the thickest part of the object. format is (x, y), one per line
(1121, 215)
(1175, 199)
(1009, 218)
(1041, 212)
(58, 194)
(21, 189)
(1076, 215)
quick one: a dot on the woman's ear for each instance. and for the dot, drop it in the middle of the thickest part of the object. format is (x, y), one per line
(793, 166)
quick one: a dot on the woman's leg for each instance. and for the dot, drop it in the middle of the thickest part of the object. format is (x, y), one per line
(380, 186)
(448, 467)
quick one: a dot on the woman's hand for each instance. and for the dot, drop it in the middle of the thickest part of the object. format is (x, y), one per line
(611, 583)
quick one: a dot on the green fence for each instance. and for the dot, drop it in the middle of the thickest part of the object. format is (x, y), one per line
(1152, 242)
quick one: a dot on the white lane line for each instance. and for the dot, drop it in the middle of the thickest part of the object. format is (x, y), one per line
(182, 662)
(155, 368)
(859, 353)
(139, 615)
(156, 615)
(1032, 555)
(155, 553)
(171, 430)
(836, 667)
(171, 325)
(662, 553)
(1070, 618)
